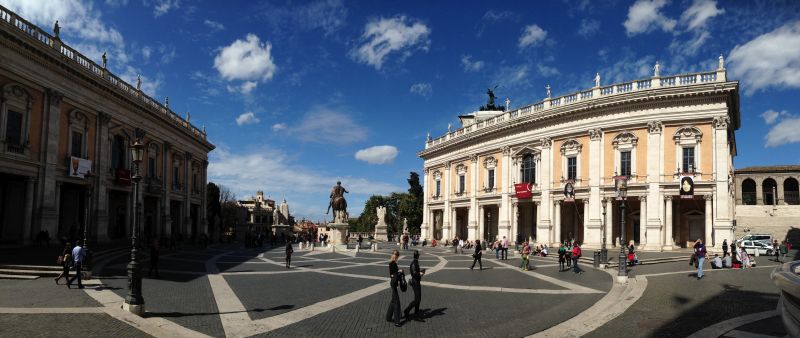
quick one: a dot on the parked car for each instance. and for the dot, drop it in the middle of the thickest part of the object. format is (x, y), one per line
(763, 249)
(763, 238)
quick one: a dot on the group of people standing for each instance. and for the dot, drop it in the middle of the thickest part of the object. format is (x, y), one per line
(568, 254)
(397, 280)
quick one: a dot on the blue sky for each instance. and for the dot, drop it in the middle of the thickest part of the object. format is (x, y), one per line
(297, 95)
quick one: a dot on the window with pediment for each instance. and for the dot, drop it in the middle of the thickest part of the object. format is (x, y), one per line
(687, 149)
(571, 160)
(78, 130)
(15, 112)
(625, 154)
(437, 179)
(152, 160)
(461, 171)
(490, 164)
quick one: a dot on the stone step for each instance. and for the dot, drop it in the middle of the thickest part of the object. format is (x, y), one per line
(25, 277)
(40, 273)
(31, 267)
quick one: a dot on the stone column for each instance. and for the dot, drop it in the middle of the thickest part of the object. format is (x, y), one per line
(723, 204)
(504, 226)
(655, 166)
(166, 164)
(481, 222)
(557, 220)
(544, 167)
(592, 214)
(586, 229)
(642, 221)
(27, 232)
(48, 194)
(473, 201)
(669, 241)
(426, 210)
(709, 221)
(514, 220)
(448, 228)
(100, 195)
(609, 222)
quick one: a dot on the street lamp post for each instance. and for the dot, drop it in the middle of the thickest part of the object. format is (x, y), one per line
(622, 187)
(134, 302)
(604, 249)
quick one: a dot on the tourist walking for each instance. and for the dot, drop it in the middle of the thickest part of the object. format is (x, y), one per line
(416, 284)
(562, 258)
(154, 253)
(461, 246)
(724, 247)
(576, 254)
(568, 255)
(700, 253)
(505, 248)
(289, 251)
(78, 254)
(526, 251)
(65, 260)
(476, 257)
(776, 250)
(393, 312)
(784, 248)
(497, 249)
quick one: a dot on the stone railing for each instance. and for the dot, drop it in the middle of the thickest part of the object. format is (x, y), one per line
(787, 279)
(10, 18)
(595, 93)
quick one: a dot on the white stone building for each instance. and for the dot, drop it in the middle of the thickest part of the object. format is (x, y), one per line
(654, 131)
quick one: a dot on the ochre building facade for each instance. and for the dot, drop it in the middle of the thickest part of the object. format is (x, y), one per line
(655, 131)
(61, 115)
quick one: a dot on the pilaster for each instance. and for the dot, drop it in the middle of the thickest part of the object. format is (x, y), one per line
(426, 210)
(543, 214)
(642, 222)
(557, 221)
(100, 196)
(669, 241)
(593, 215)
(48, 213)
(723, 200)
(473, 200)
(166, 222)
(448, 228)
(504, 226)
(708, 241)
(27, 232)
(655, 210)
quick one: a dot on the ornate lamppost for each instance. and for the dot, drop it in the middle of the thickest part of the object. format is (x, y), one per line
(603, 249)
(134, 302)
(622, 189)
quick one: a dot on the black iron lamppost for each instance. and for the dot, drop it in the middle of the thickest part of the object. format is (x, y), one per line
(134, 302)
(603, 249)
(488, 230)
(622, 188)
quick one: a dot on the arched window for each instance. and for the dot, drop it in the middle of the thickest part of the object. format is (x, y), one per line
(769, 186)
(749, 192)
(791, 192)
(528, 171)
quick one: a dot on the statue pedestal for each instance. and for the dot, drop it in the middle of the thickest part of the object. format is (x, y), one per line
(381, 235)
(338, 233)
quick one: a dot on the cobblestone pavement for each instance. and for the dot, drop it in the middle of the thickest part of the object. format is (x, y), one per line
(236, 292)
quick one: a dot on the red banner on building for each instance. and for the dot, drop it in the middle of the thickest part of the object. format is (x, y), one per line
(123, 176)
(523, 190)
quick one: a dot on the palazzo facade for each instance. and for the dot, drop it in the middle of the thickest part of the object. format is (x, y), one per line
(654, 131)
(61, 116)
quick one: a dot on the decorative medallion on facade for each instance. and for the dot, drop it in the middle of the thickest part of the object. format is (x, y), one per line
(437, 175)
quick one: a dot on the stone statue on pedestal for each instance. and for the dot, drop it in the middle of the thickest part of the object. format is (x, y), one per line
(338, 203)
(380, 228)
(405, 225)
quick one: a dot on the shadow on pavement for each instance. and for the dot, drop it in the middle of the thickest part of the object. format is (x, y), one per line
(183, 314)
(428, 313)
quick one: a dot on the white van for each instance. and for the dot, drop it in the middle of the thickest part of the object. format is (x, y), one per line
(763, 238)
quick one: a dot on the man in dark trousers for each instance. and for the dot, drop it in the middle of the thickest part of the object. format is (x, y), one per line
(289, 251)
(476, 257)
(393, 312)
(78, 254)
(154, 252)
(416, 281)
(724, 247)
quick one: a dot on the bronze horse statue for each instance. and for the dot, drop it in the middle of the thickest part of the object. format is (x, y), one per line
(338, 203)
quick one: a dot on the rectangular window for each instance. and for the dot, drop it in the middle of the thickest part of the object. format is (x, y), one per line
(77, 144)
(625, 163)
(176, 182)
(118, 153)
(490, 183)
(462, 184)
(151, 167)
(14, 128)
(572, 168)
(438, 188)
(688, 160)
(194, 182)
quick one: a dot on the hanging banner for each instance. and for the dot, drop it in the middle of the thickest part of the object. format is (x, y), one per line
(620, 182)
(569, 191)
(523, 190)
(687, 187)
(78, 167)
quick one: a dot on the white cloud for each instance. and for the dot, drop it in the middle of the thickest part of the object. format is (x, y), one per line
(770, 116)
(422, 89)
(645, 15)
(146, 51)
(248, 59)
(547, 70)
(77, 19)
(783, 132)
(247, 118)
(382, 37)
(469, 65)
(700, 11)
(532, 35)
(214, 25)
(272, 169)
(149, 85)
(278, 126)
(245, 88)
(512, 76)
(769, 60)
(377, 154)
(161, 7)
(167, 54)
(588, 28)
(328, 15)
(324, 125)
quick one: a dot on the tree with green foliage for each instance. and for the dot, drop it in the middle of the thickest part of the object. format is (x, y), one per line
(399, 206)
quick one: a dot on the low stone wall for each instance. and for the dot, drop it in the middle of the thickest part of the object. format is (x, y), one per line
(779, 221)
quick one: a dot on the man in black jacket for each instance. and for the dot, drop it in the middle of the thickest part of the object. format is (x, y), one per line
(476, 257)
(416, 280)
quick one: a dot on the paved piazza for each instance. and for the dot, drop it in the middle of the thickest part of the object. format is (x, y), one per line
(235, 292)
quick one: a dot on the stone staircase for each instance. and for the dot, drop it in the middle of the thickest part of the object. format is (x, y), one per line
(29, 272)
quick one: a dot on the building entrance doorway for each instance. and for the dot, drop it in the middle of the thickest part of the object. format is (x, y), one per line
(526, 222)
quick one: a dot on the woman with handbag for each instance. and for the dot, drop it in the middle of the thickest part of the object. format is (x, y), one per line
(64, 260)
(393, 313)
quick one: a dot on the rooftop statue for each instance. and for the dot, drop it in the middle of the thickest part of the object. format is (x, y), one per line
(597, 80)
(490, 106)
(57, 30)
(656, 70)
